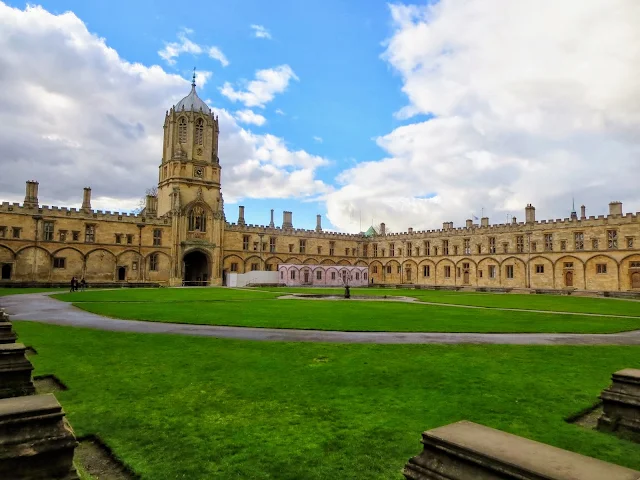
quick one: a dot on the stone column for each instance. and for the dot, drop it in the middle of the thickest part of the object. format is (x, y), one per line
(86, 199)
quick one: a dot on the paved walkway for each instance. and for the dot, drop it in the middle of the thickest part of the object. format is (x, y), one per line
(39, 307)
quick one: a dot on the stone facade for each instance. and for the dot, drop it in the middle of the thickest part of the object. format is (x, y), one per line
(182, 236)
(322, 275)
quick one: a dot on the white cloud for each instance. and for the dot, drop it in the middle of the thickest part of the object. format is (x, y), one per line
(260, 32)
(78, 115)
(533, 102)
(216, 54)
(317, 139)
(173, 50)
(250, 117)
(279, 112)
(202, 77)
(263, 89)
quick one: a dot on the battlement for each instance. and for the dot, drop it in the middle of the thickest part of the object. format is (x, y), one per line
(81, 214)
(296, 232)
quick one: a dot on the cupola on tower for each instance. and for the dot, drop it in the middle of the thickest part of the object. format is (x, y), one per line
(190, 166)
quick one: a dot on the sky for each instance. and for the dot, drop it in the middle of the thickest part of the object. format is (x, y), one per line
(363, 111)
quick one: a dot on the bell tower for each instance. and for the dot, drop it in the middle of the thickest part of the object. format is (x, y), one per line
(189, 154)
(189, 191)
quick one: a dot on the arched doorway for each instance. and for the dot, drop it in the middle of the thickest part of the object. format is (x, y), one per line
(196, 268)
(635, 280)
(122, 274)
(6, 271)
(568, 279)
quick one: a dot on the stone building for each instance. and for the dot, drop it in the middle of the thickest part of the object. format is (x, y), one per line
(182, 236)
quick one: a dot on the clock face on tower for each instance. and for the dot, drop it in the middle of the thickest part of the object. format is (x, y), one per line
(198, 172)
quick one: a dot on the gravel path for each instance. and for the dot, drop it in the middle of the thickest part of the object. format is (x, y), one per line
(39, 307)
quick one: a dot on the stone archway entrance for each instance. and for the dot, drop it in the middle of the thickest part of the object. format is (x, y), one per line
(568, 279)
(122, 274)
(196, 268)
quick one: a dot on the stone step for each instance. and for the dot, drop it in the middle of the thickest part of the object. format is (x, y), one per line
(36, 441)
(467, 450)
(15, 371)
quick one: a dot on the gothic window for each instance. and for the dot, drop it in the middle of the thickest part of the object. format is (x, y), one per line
(303, 246)
(509, 271)
(331, 247)
(467, 246)
(272, 244)
(612, 236)
(601, 268)
(375, 249)
(48, 231)
(365, 250)
(629, 242)
(319, 275)
(198, 220)
(447, 272)
(492, 244)
(409, 249)
(157, 237)
(90, 234)
(578, 239)
(548, 241)
(445, 247)
(520, 243)
(199, 131)
(16, 232)
(392, 250)
(182, 130)
(153, 262)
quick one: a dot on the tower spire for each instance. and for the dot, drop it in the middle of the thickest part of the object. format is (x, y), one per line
(193, 83)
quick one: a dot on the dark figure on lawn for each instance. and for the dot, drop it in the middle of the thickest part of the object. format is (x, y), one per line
(83, 285)
(347, 293)
(74, 284)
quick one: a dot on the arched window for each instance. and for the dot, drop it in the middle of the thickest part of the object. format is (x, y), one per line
(182, 130)
(197, 220)
(199, 131)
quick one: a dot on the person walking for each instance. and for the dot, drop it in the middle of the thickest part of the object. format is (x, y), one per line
(74, 284)
(83, 285)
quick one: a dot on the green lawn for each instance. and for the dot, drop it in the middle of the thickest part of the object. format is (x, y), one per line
(558, 303)
(260, 308)
(198, 408)
(17, 291)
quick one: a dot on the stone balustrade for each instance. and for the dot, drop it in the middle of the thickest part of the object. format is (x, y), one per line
(468, 451)
(15, 371)
(36, 441)
(621, 405)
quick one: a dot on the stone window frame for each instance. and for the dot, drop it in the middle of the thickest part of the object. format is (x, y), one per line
(134, 265)
(154, 261)
(246, 239)
(427, 248)
(548, 242)
(15, 232)
(48, 230)
(426, 270)
(332, 247)
(563, 245)
(272, 244)
(234, 266)
(539, 268)
(409, 249)
(447, 271)
(601, 268)
(129, 238)
(374, 269)
(365, 250)
(59, 263)
(467, 246)
(3, 231)
(157, 237)
(445, 247)
(302, 246)
(182, 130)
(346, 251)
(534, 246)
(118, 237)
(291, 248)
(492, 244)
(399, 268)
(509, 271)
(333, 275)
(319, 274)
(568, 265)
(319, 250)
(197, 219)
(520, 243)
(254, 267)
(595, 244)
(75, 235)
(375, 249)
(199, 130)
(389, 269)
(629, 242)
(90, 233)
(578, 240)
(292, 274)
(62, 235)
(612, 239)
(492, 271)
(392, 249)
(505, 247)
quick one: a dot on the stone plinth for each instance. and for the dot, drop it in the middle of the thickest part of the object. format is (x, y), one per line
(621, 405)
(7, 335)
(468, 451)
(15, 371)
(36, 442)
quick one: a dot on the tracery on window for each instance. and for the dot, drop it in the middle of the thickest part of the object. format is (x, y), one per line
(197, 219)
(199, 131)
(182, 130)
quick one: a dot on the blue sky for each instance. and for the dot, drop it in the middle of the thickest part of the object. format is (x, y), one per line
(346, 94)
(409, 113)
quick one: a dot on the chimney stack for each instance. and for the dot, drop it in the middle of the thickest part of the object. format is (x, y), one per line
(410, 229)
(31, 194)
(383, 229)
(469, 223)
(86, 199)
(151, 208)
(271, 224)
(484, 222)
(318, 223)
(615, 208)
(287, 220)
(513, 220)
(583, 212)
(530, 213)
(241, 215)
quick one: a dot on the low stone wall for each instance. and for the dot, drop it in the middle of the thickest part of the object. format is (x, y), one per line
(621, 405)
(468, 451)
(67, 285)
(36, 441)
